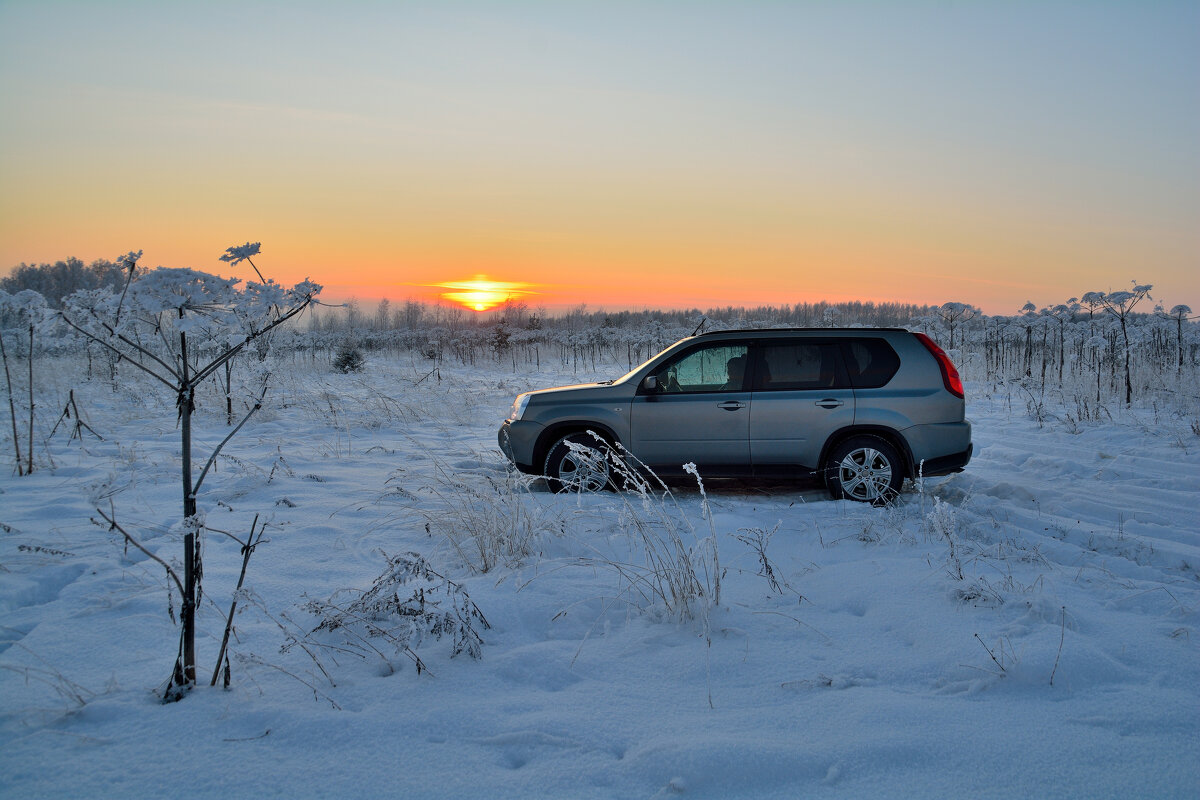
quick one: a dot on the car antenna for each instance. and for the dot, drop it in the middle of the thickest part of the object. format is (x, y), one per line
(701, 325)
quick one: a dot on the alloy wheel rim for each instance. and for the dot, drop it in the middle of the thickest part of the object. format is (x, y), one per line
(865, 474)
(583, 470)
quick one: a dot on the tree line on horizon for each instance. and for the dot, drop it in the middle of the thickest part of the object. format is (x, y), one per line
(55, 282)
(517, 314)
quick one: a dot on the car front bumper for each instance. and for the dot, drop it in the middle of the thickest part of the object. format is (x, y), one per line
(517, 440)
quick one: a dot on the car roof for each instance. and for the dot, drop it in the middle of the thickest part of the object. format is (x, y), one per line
(774, 332)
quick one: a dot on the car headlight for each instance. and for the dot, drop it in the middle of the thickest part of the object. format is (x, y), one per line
(518, 407)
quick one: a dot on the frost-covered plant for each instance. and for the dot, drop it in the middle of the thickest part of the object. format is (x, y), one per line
(942, 522)
(239, 253)
(26, 310)
(497, 524)
(408, 602)
(675, 568)
(1179, 314)
(180, 327)
(954, 314)
(1120, 305)
(757, 540)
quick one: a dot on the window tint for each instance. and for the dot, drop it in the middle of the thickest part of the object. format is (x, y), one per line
(871, 362)
(797, 365)
(708, 369)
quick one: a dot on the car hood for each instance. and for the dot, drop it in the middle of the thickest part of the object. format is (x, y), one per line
(579, 391)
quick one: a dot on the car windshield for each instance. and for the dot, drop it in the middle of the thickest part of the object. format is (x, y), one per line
(629, 375)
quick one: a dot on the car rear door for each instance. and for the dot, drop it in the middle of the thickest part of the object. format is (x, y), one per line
(801, 395)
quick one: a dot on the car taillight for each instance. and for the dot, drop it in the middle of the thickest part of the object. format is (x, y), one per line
(950, 377)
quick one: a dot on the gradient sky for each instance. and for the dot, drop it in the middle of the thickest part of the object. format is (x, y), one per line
(618, 154)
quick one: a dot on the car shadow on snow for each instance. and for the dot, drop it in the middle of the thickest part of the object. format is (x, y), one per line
(807, 489)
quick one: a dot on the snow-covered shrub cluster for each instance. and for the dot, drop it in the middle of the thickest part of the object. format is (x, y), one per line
(491, 524)
(349, 359)
(1087, 356)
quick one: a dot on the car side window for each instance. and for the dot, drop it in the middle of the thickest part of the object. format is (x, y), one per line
(870, 362)
(798, 365)
(717, 368)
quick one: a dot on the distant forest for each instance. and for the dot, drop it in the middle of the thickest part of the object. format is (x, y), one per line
(60, 279)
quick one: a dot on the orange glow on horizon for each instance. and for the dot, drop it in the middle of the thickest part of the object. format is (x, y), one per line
(482, 294)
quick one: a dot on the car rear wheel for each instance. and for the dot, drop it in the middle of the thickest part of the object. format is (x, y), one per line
(578, 463)
(864, 468)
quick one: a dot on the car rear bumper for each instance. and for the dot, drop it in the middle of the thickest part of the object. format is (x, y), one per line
(946, 464)
(939, 448)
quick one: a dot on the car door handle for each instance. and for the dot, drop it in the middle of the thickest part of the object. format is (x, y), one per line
(829, 402)
(731, 405)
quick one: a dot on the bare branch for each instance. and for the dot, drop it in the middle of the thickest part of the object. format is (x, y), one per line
(117, 351)
(112, 525)
(216, 363)
(232, 433)
(123, 339)
(130, 261)
(247, 551)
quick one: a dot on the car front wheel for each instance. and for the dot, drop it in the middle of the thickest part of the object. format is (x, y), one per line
(578, 463)
(864, 468)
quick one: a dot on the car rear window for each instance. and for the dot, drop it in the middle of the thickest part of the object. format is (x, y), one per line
(798, 365)
(870, 362)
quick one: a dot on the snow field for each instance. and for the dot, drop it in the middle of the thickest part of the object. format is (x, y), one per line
(876, 671)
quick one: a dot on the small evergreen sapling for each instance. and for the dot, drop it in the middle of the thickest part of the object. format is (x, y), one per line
(349, 359)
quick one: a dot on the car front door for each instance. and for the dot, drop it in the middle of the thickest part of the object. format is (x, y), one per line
(698, 410)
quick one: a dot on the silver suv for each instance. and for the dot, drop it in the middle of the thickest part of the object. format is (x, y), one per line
(861, 408)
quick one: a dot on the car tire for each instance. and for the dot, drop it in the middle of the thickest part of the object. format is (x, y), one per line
(864, 468)
(578, 462)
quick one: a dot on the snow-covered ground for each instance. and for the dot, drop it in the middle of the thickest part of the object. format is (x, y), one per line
(1062, 663)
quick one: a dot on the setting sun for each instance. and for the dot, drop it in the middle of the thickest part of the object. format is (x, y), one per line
(482, 294)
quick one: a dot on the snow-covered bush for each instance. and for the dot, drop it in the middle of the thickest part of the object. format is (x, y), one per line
(407, 603)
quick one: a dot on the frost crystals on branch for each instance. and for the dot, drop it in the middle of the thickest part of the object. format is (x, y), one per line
(238, 254)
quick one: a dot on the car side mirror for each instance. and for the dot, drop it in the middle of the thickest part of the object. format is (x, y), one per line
(650, 383)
